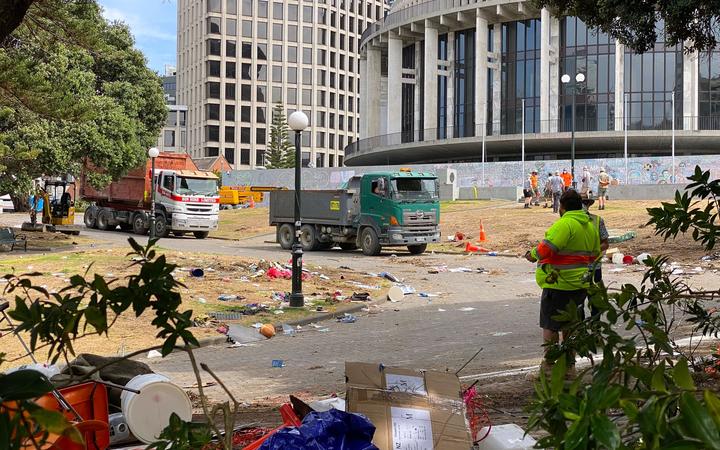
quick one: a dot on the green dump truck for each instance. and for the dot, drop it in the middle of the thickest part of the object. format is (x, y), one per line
(370, 211)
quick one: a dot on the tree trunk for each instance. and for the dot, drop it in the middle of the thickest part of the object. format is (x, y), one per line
(20, 203)
(12, 13)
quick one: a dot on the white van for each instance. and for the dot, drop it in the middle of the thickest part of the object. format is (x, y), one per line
(6, 204)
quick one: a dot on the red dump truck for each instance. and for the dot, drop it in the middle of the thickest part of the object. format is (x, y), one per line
(186, 199)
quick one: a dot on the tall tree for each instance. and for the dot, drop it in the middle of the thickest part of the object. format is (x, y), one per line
(279, 154)
(73, 87)
(635, 22)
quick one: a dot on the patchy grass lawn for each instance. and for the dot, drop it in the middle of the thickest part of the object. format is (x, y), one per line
(244, 223)
(224, 275)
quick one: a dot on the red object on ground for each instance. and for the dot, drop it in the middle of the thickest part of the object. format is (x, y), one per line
(459, 236)
(290, 419)
(477, 415)
(482, 237)
(90, 400)
(471, 248)
(628, 259)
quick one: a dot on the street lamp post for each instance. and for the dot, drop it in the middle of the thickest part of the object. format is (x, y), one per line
(297, 121)
(152, 153)
(579, 78)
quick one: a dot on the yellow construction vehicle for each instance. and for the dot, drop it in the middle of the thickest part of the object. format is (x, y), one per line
(234, 196)
(58, 210)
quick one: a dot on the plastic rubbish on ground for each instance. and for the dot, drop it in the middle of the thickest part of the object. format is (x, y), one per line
(360, 297)
(389, 276)
(267, 330)
(154, 354)
(202, 300)
(395, 294)
(460, 269)
(142, 411)
(328, 404)
(49, 370)
(505, 437)
(459, 236)
(617, 258)
(242, 335)
(227, 297)
(347, 318)
(278, 363)
(616, 236)
(288, 330)
(197, 273)
(327, 430)
(466, 309)
(274, 272)
(427, 295)
(642, 257)
(628, 259)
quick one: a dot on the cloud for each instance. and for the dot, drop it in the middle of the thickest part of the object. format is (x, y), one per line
(138, 26)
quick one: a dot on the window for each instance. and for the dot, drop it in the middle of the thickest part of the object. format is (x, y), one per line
(168, 182)
(307, 55)
(259, 157)
(305, 155)
(212, 89)
(321, 98)
(247, 28)
(213, 25)
(320, 159)
(319, 139)
(247, 50)
(213, 68)
(321, 77)
(307, 97)
(277, 94)
(263, 9)
(182, 115)
(212, 111)
(245, 135)
(291, 96)
(169, 138)
(214, 6)
(231, 7)
(247, 7)
(292, 31)
(322, 16)
(245, 156)
(277, 32)
(262, 52)
(332, 79)
(293, 13)
(277, 74)
(331, 122)
(183, 138)
(261, 72)
(331, 158)
(307, 35)
(230, 49)
(230, 155)
(277, 53)
(260, 93)
(262, 30)
(341, 102)
(277, 11)
(464, 75)
(321, 57)
(245, 92)
(340, 160)
(229, 134)
(307, 14)
(212, 133)
(213, 47)
(230, 70)
(230, 113)
(230, 27)
(307, 76)
(260, 136)
(292, 75)
(245, 114)
(320, 119)
(212, 151)
(332, 59)
(229, 91)
(260, 114)
(292, 54)
(245, 71)
(341, 122)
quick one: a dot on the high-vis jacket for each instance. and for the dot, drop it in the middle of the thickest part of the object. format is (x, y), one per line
(571, 245)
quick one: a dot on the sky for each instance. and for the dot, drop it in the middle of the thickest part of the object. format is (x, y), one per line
(152, 22)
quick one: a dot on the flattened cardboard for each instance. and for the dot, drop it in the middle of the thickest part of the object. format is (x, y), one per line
(369, 394)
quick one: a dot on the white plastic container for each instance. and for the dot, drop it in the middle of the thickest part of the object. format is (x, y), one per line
(505, 437)
(148, 412)
(617, 258)
(642, 257)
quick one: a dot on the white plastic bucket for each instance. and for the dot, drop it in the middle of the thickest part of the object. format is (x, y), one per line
(148, 412)
(617, 258)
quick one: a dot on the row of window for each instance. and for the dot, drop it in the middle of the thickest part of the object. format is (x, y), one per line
(244, 157)
(231, 7)
(213, 133)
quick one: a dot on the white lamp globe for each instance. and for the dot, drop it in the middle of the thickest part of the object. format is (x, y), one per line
(153, 152)
(298, 121)
(580, 77)
(565, 78)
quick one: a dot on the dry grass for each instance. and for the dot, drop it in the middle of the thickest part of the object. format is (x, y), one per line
(243, 223)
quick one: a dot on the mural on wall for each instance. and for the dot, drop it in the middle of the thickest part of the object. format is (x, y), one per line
(650, 170)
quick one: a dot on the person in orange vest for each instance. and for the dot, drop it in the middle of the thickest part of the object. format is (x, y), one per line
(535, 188)
(567, 179)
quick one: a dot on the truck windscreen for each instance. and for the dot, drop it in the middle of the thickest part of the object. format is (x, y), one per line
(414, 189)
(196, 186)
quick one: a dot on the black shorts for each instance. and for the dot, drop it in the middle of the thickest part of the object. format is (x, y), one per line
(527, 193)
(553, 301)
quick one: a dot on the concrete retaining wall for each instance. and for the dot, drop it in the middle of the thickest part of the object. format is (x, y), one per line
(621, 192)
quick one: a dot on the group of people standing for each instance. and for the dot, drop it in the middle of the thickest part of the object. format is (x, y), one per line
(556, 184)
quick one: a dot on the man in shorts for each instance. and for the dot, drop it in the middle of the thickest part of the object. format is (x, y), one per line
(570, 247)
(603, 184)
(527, 191)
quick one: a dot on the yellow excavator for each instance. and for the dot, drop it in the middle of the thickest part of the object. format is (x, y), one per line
(58, 209)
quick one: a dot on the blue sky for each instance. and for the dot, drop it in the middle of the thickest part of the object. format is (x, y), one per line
(152, 22)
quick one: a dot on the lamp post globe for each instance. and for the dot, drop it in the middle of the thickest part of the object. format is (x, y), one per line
(565, 78)
(153, 153)
(297, 121)
(580, 77)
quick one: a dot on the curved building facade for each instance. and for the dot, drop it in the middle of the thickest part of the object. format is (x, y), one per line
(472, 80)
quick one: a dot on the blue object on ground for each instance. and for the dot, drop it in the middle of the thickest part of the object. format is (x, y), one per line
(328, 430)
(278, 363)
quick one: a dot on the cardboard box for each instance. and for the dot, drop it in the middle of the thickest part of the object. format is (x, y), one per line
(411, 410)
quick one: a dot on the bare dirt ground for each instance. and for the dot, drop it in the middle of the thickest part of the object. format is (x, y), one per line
(243, 223)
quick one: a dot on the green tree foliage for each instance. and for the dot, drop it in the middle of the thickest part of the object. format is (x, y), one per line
(280, 151)
(633, 22)
(639, 391)
(73, 87)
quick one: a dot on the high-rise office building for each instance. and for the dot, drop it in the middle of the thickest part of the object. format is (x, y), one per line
(238, 58)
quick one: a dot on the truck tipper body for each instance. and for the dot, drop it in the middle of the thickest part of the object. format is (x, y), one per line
(186, 199)
(371, 211)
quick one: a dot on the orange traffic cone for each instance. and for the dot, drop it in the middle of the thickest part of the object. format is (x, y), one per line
(483, 237)
(252, 202)
(471, 248)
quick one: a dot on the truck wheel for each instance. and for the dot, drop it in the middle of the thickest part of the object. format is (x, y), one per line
(161, 228)
(418, 249)
(90, 217)
(138, 224)
(103, 220)
(369, 242)
(348, 246)
(201, 234)
(308, 238)
(286, 236)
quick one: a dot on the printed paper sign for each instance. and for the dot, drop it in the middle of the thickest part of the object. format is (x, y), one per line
(405, 383)
(411, 429)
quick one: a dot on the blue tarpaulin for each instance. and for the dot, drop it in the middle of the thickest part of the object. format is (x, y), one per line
(329, 430)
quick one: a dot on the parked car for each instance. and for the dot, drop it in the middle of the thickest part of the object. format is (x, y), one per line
(6, 204)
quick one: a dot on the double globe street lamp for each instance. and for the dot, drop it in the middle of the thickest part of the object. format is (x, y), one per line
(153, 153)
(579, 78)
(297, 121)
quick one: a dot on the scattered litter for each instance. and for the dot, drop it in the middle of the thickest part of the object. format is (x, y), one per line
(267, 330)
(288, 330)
(460, 269)
(617, 258)
(395, 294)
(278, 363)
(210, 269)
(323, 277)
(154, 354)
(642, 257)
(501, 333)
(202, 300)
(466, 309)
(347, 318)
(364, 286)
(508, 436)
(274, 272)
(389, 276)
(360, 297)
(197, 273)
(441, 310)
(237, 344)
(620, 236)
(426, 295)
(227, 297)
(242, 335)
(628, 259)
(438, 269)
(328, 404)
(278, 311)
(713, 257)
(619, 269)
